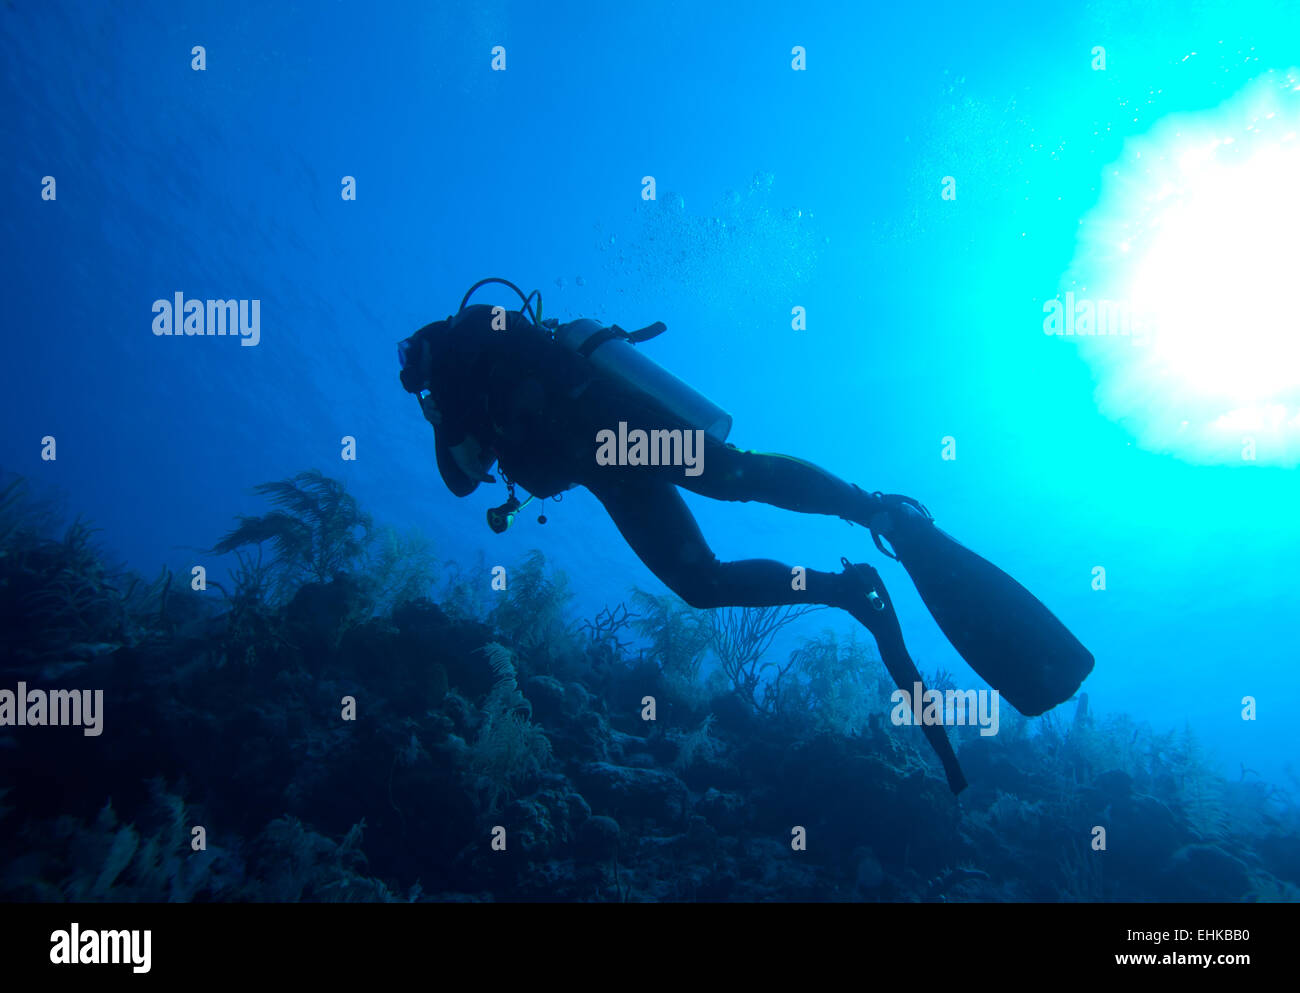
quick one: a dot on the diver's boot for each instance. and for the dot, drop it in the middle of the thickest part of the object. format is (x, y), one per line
(865, 597)
(998, 626)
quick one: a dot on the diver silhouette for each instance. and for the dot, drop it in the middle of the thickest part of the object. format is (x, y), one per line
(544, 401)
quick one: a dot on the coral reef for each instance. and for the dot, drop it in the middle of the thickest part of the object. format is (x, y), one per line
(500, 749)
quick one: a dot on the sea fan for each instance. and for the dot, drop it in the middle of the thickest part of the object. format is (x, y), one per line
(510, 747)
(319, 531)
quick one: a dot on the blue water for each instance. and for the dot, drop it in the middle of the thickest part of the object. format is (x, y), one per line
(775, 188)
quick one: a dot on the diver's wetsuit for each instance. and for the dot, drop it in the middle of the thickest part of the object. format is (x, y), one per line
(654, 519)
(539, 407)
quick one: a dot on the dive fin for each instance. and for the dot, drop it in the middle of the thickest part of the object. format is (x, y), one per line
(1001, 629)
(875, 611)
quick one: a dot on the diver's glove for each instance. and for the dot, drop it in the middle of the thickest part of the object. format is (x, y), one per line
(430, 409)
(474, 460)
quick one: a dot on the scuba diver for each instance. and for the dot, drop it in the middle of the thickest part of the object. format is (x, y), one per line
(543, 401)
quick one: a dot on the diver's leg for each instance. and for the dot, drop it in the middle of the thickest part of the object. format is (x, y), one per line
(1006, 634)
(657, 525)
(654, 519)
(784, 481)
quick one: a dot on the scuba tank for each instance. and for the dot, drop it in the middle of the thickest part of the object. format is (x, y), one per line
(614, 353)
